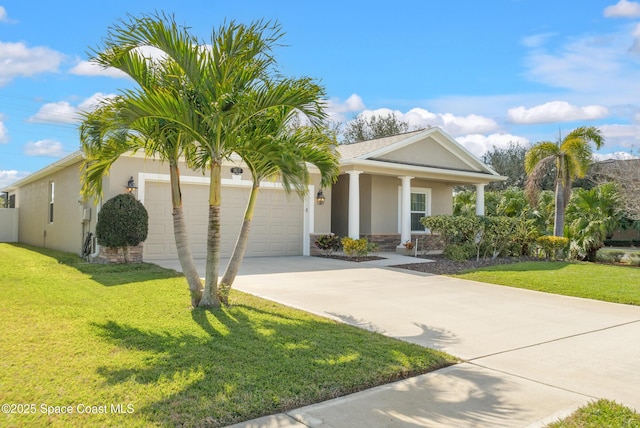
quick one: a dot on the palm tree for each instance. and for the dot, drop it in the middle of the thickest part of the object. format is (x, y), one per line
(571, 158)
(273, 148)
(220, 89)
(105, 136)
(591, 216)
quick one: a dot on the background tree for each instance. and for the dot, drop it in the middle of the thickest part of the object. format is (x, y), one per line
(122, 222)
(509, 162)
(363, 128)
(626, 174)
(571, 157)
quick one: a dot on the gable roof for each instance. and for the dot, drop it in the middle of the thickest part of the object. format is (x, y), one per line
(430, 151)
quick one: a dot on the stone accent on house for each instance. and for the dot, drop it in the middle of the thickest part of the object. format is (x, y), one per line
(115, 255)
(389, 243)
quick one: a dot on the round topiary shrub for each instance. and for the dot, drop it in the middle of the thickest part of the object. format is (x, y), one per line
(123, 221)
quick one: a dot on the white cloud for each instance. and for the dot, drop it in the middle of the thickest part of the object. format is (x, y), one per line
(86, 68)
(3, 15)
(4, 133)
(60, 112)
(623, 9)
(480, 144)
(338, 109)
(450, 123)
(614, 155)
(50, 148)
(18, 60)
(9, 176)
(555, 111)
(64, 112)
(621, 136)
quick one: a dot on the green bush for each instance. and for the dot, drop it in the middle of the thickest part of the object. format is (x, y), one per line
(459, 252)
(355, 247)
(328, 243)
(552, 246)
(123, 221)
(614, 256)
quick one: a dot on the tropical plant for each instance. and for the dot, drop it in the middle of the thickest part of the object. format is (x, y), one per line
(591, 216)
(328, 243)
(355, 247)
(221, 87)
(122, 222)
(571, 157)
(272, 147)
(552, 247)
(106, 134)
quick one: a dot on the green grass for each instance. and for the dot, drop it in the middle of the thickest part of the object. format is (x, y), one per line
(599, 414)
(617, 284)
(101, 335)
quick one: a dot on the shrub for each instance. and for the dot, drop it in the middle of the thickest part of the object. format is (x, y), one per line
(459, 252)
(552, 246)
(328, 244)
(123, 221)
(355, 247)
(614, 256)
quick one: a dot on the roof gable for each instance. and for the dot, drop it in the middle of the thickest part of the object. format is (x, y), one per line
(431, 147)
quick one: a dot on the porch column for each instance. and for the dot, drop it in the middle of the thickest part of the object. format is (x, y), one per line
(405, 210)
(480, 199)
(354, 204)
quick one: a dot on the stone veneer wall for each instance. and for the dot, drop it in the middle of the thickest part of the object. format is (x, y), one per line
(115, 255)
(387, 243)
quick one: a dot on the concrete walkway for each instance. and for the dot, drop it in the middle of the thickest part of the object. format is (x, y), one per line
(530, 357)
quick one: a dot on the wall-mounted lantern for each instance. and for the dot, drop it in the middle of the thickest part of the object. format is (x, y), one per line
(131, 186)
(320, 198)
(236, 170)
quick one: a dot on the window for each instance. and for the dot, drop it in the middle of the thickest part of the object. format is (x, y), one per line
(51, 198)
(420, 207)
(418, 210)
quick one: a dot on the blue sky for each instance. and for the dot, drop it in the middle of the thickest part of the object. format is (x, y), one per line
(486, 72)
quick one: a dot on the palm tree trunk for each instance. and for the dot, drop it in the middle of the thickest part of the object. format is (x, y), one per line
(241, 246)
(210, 295)
(182, 239)
(558, 222)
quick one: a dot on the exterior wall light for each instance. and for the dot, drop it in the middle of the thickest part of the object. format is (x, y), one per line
(236, 170)
(320, 198)
(131, 186)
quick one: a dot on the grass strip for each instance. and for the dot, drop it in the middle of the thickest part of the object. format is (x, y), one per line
(616, 284)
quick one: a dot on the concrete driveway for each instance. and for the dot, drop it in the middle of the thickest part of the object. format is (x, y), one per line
(529, 357)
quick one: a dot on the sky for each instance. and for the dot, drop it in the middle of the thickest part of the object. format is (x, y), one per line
(488, 73)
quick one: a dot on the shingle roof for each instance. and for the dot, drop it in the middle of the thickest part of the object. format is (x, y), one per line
(355, 150)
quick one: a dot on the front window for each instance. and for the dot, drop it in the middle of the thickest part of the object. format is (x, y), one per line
(418, 210)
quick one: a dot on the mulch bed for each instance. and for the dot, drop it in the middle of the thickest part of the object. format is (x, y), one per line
(442, 266)
(351, 259)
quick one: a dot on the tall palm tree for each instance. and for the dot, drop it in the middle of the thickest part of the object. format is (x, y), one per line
(220, 91)
(273, 148)
(571, 158)
(105, 136)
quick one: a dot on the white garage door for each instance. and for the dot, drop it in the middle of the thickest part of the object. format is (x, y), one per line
(276, 229)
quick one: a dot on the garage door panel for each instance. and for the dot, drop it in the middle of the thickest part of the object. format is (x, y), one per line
(276, 227)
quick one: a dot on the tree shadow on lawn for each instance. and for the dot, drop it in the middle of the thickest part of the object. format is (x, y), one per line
(248, 362)
(107, 274)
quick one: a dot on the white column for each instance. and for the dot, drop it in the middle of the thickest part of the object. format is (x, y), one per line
(354, 204)
(480, 199)
(405, 210)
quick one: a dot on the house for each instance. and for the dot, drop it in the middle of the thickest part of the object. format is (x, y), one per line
(384, 188)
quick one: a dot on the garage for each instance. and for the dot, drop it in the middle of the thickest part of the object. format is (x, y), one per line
(277, 226)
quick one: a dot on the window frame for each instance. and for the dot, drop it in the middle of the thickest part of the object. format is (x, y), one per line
(415, 190)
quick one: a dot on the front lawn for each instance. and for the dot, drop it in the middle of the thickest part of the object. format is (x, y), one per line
(105, 345)
(601, 413)
(617, 284)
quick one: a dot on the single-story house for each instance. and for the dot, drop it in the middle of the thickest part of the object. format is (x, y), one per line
(384, 188)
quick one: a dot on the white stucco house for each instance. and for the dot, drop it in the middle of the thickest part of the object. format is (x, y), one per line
(385, 186)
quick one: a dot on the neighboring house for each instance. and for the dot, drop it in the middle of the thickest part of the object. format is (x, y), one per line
(385, 186)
